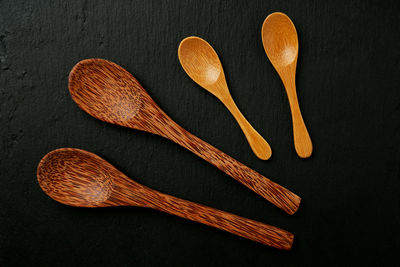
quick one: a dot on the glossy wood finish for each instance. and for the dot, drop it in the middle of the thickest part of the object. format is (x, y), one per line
(201, 63)
(108, 92)
(280, 42)
(79, 178)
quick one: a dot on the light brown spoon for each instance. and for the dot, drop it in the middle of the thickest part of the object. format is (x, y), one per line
(280, 42)
(79, 178)
(201, 63)
(110, 93)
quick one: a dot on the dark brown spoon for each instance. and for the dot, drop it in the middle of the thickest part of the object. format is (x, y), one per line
(108, 92)
(79, 178)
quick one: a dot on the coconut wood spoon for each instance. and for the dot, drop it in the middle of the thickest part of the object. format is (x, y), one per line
(110, 93)
(281, 45)
(201, 63)
(79, 178)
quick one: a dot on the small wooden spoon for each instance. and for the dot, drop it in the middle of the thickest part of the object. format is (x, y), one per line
(201, 63)
(110, 93)
(280, 42)
(79, 178)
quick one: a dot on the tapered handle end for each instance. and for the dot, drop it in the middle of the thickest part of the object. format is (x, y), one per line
(289, 242)
(302, 140)
(296, 200)
(260, 147)
(258, 144)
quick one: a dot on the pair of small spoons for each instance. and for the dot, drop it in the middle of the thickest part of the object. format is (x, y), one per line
(201, 63)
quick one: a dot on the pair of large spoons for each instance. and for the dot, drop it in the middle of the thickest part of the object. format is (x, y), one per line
(279, 37)
(110, 93)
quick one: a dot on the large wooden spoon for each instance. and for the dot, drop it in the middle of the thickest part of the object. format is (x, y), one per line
(280, 42)
(201, 63)
(110, 93)
(79, 178)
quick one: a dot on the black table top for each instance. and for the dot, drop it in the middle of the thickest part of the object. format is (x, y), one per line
(348, 88)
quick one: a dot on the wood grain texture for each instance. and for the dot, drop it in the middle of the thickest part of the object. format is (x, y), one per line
(202, 64)
(110, 93)
(347, 82)
(79, 178)
(281, 45)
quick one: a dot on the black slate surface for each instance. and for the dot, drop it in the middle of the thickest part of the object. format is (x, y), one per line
(348, 86)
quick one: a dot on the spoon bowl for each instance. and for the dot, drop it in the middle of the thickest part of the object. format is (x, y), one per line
(75, 178)
(110, 93)
(79, 178)
(280, 40)
(201, 63)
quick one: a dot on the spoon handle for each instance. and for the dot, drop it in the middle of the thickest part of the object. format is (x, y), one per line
(273, 192)
(257, 143)
(253, 230)
(301, 138)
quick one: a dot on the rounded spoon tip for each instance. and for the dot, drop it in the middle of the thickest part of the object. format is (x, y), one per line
(277, 15)
(263, 152)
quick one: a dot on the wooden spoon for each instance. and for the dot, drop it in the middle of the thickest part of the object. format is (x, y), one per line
(110, 93)
(280, 42)
(201, 63)
(79, 178)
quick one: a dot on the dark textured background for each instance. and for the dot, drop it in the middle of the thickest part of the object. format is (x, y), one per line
(348, 86)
